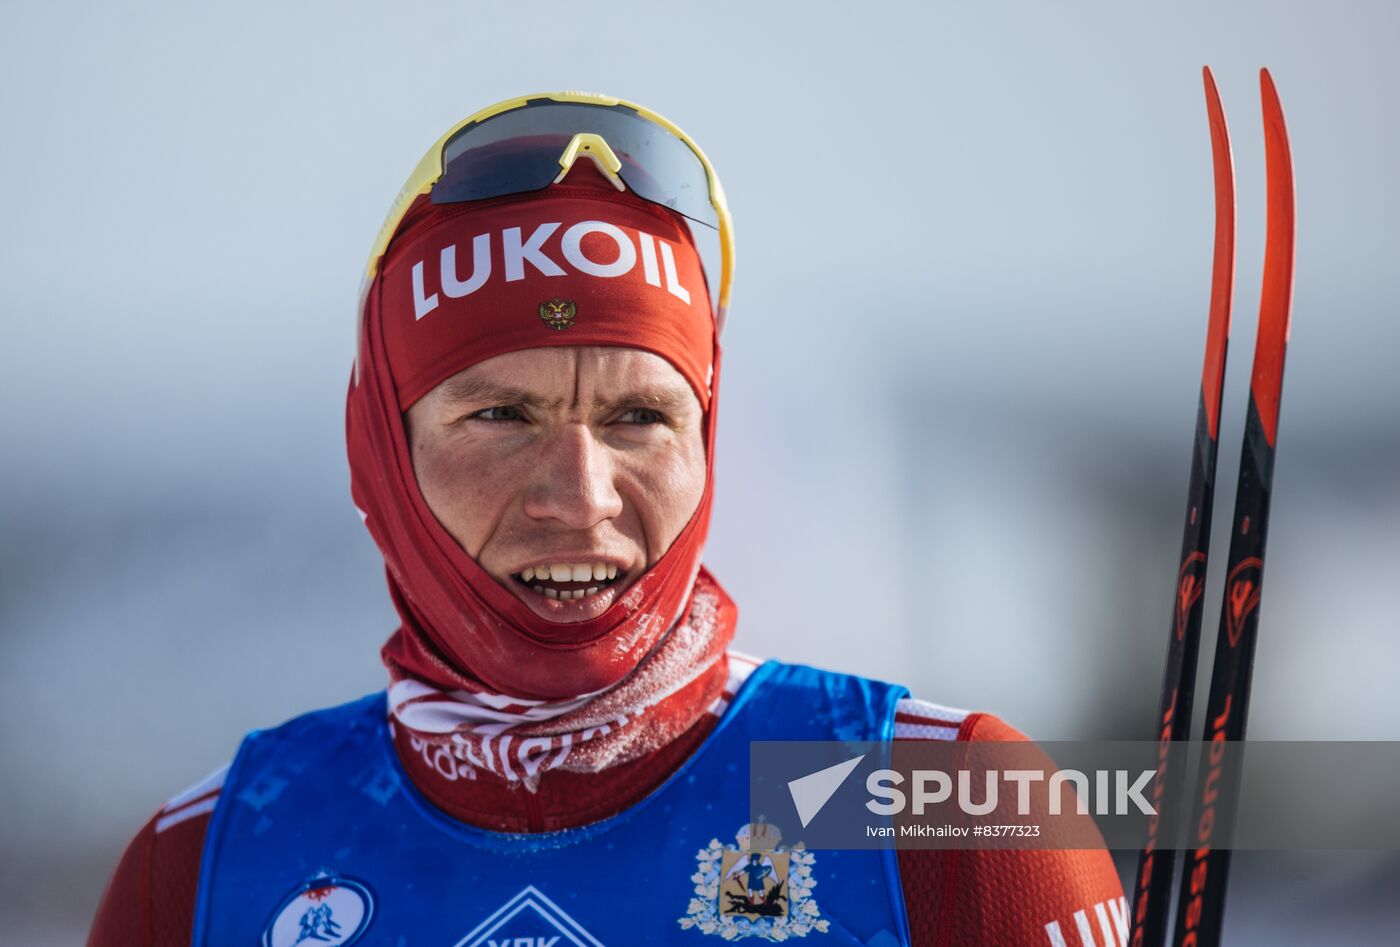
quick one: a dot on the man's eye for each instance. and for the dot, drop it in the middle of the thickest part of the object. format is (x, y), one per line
(504, 412)
(642, 416)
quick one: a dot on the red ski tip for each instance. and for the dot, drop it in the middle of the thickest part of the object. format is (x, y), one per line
(1276, 296)
(1222, 278)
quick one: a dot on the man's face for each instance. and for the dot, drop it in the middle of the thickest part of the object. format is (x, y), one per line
(564, 472)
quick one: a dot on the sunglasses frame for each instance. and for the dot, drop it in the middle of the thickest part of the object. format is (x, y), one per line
(430, 169)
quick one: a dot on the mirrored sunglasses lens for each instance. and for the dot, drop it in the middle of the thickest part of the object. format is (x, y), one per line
(518, 151)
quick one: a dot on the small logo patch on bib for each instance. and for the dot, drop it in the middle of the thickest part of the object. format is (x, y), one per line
(325, 911)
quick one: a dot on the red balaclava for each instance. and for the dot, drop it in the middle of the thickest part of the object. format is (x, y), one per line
(577, 263)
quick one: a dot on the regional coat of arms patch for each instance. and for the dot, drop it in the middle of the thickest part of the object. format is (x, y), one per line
(756, 888)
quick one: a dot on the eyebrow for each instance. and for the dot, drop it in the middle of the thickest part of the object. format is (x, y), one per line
(483, 391)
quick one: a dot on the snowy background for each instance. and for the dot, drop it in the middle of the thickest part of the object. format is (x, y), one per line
(961, 368)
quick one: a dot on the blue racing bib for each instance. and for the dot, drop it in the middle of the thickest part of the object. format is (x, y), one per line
(320, 838)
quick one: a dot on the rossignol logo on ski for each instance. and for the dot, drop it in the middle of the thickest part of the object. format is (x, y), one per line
(529, 920)
(1242, 596)
(757, 888)
(612, 252)
(1189, 587)
(324, 910)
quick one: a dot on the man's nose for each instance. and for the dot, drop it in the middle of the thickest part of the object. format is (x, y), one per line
(573, 483)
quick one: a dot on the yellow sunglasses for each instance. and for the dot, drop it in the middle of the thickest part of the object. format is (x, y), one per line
(527, 143)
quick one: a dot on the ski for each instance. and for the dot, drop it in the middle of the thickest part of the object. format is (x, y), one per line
(1201, 902)
(1157, 862)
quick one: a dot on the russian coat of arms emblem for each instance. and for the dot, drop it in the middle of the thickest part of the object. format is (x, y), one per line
(558, 313)
(756, 888)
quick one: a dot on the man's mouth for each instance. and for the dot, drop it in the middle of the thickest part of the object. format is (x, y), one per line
(567, 581)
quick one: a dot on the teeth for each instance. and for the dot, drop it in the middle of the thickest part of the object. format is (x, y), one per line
(568, 572)
(566, 595)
